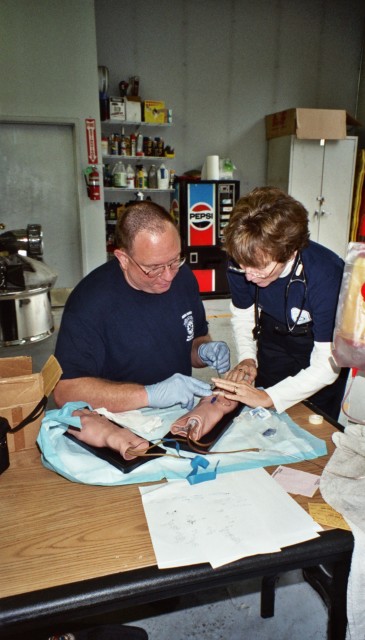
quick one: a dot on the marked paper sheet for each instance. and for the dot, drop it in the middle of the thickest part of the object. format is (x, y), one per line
(236, 515)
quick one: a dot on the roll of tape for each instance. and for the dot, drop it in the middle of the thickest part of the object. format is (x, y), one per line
(314, 418)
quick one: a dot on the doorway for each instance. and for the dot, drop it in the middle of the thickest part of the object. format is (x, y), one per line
(38, 185)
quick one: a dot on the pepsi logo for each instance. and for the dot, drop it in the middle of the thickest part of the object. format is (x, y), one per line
(201, 216)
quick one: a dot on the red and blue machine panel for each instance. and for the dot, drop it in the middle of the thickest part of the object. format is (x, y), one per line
(203, 209)
(201, 204)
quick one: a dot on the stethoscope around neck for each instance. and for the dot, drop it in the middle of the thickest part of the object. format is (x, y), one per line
(297, 275)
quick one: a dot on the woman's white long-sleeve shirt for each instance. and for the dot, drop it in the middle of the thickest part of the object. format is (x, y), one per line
(293, 389)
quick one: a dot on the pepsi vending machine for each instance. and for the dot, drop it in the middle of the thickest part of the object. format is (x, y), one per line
(202, 209)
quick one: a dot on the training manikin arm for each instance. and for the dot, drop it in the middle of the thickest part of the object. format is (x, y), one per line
(200, 420)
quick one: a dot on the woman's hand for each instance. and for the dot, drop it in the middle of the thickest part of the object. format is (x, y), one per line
(98, 431)
(245, 370)
(243, 392)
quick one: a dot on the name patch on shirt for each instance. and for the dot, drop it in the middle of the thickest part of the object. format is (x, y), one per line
(303, 318)
(188, 321)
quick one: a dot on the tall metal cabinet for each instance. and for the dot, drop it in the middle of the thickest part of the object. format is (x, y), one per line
(321, 176)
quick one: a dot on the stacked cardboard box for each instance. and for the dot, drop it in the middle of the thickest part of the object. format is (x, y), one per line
(20, 392)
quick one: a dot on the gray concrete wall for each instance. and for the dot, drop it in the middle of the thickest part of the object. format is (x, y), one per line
(48, 74)
(223, 65)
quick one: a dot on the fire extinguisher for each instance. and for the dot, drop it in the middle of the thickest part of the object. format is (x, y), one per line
(93, 184)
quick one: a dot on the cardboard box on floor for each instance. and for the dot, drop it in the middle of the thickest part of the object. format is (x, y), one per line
(20, 392)
(310, 124)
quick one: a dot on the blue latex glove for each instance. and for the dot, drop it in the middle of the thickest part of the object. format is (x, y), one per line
(178, 389)
(216, 355)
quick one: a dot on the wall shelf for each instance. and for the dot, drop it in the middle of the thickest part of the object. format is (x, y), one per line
(129, 123)
(111, 157)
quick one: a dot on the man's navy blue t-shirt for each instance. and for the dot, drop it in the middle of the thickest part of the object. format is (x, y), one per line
(110, 330)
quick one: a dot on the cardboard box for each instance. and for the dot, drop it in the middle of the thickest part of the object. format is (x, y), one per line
(133, 109)
(20, 392)
(117, 110)
(125, 109)
(309, 124)
(154, 111)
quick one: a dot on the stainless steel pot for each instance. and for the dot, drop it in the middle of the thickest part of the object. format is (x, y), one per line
(103, 76)
(25, 316)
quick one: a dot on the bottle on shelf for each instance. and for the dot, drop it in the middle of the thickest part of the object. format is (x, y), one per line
(172, 178)
(131, 178)
(133, 142)
(105, 145)
(159, 147)
(162, 177)
(122, 145)
(147, 146)
(128, 145)
(139, 145)
(119, 175)
(139, 176)
(152, 177)
(145, 178)
(114, 144)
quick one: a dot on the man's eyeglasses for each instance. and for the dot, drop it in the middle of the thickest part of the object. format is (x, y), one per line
(158, 271)
(253, 274)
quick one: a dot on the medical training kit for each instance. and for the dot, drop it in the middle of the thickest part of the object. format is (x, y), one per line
(253, 439)
(181, 439)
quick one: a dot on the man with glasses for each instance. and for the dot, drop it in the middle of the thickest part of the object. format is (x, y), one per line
(133, 329)
(285, 291)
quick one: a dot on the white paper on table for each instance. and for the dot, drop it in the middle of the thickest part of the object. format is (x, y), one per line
(296, 481)
(234, 516)
(171, 549)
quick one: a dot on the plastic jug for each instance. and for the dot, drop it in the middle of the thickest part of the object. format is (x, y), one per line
(152, 177)
(162, 177)
(119, 175)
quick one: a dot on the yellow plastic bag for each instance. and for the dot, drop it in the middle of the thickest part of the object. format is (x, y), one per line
(349, 335)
